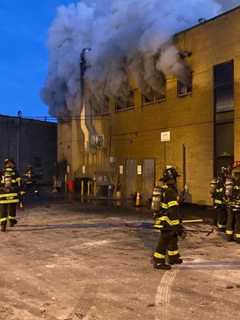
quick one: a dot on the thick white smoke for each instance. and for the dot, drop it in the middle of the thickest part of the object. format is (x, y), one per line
(125, 36)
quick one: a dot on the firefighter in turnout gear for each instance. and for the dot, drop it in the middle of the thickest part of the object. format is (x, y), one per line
(29, 182)
(168, 221)
(217, 190)
(233, 195)
(229, 194)
(9, 194)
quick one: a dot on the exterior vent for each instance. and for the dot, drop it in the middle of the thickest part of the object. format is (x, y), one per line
(97, 141)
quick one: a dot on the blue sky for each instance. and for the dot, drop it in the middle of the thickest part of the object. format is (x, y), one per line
(23, 54)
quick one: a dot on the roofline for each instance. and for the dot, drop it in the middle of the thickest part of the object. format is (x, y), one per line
(2, 116)
(207, 21)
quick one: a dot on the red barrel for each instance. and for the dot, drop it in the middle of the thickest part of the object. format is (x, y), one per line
(70, 185)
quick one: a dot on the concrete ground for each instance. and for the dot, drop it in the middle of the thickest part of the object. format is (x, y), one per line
(69, 261)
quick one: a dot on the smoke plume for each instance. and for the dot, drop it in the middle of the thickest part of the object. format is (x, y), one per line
(125, 37)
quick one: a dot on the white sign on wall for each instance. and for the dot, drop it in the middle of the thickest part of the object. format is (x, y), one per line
(165, 136)
(121, 169)
(139, 169)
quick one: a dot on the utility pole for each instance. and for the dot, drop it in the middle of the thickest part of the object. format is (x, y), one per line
(83, 68)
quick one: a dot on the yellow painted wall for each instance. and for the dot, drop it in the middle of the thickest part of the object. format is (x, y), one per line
(135, 134)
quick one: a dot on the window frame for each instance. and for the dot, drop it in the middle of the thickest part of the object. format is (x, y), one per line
(188, 88)
(223, 85)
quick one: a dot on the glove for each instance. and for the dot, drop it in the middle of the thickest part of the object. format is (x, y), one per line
(183, 235)
(181, 232)
(154, 215)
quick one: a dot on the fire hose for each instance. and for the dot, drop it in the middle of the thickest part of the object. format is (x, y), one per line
(208, 232)
(185, 221)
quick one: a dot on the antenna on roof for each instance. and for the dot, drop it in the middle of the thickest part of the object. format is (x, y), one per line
(19, 113)
(201, 20)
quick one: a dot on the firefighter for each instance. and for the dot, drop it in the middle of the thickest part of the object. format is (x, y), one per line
(217, 190)
(168, 222)
(233, 193)
(229, 185)
(29, 182)
(9, 194)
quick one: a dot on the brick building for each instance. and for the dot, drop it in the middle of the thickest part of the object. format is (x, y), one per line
(31, 142)
(194, 127)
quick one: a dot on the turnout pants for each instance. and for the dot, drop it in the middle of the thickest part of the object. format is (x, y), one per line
(237, 226)
(221, 218)
(8, 213)
(167, 248)
(230, 224)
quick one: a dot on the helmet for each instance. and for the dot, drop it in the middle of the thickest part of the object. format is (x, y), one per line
(9, 163)
(170, 174)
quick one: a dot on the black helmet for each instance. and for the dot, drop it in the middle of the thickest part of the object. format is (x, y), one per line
(9, 163)
(170, 173)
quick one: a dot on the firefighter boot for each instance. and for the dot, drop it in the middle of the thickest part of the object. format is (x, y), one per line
(176, 261)
(230, 224)
(13, 222)
(221, 218)
(161, 266)
(3, 227)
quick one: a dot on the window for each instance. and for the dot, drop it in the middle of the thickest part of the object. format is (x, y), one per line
(224, 114)
(153, 97)
(125, 103)
(223, 85)
(184, 89)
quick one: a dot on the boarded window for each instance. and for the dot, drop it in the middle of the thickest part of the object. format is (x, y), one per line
(148, 178)
(131, 177)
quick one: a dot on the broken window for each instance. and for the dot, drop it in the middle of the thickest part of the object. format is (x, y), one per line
(124, 103)
(184, 89)
(154, 97)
